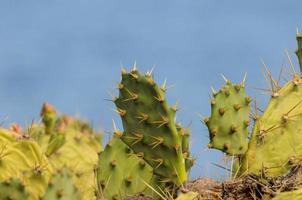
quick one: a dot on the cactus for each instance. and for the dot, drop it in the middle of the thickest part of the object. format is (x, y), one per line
(61, 187)
(121, 173)
(13, 189)
(228, 124)
(149, 124)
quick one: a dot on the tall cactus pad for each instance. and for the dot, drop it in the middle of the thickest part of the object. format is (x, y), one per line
(121, 173)
(299, 50)
(61, 187)
(13, 189)
(228, 124)
(149, 124)
(276, 138)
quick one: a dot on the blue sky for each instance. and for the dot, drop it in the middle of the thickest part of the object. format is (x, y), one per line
(69, 54)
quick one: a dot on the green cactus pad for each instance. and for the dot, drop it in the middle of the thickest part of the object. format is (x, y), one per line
(13, 189)
(61, 187)
(299, 50)
(185, 134)
(149, 124)
(121, 173)
(276, 145)
(228, 124)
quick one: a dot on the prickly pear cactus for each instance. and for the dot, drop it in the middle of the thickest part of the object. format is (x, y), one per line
(276, 145)
(61, 187)
(149, 125)
(228, 124)
(121, 172)
(13, 189)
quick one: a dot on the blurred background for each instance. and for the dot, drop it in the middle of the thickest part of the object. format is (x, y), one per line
(69, 53)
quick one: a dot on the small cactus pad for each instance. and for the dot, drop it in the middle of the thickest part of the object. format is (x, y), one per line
(228, 124)
(185, 134)
(121, 173)
(61, 187)
(276, 145)
(13, 189)
(149, 125)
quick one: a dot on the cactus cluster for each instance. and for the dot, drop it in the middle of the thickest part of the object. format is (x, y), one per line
(62, 158)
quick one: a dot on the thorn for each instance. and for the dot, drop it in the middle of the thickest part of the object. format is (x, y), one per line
(149, 73)
(296, 80)
(116, 131)
(121, 112)
(237, 107)
(233, 129)
(213, 131)
(225, 79)
(159, 161)
(275, 94)
(213, 102)
(221, 111)
(205, 120)
(143, 117)
(246, 123)
(160, 98)
(134, 69)
(290, 61)
(163, 121)
(164, 86)
(248, 100)
(120, 86)
(113, 163)
(175, 107)
(123, 69)
(158, 141)
(137, 138)
(133, 97)
(244, 79)
(298, 32)
(214, 92)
